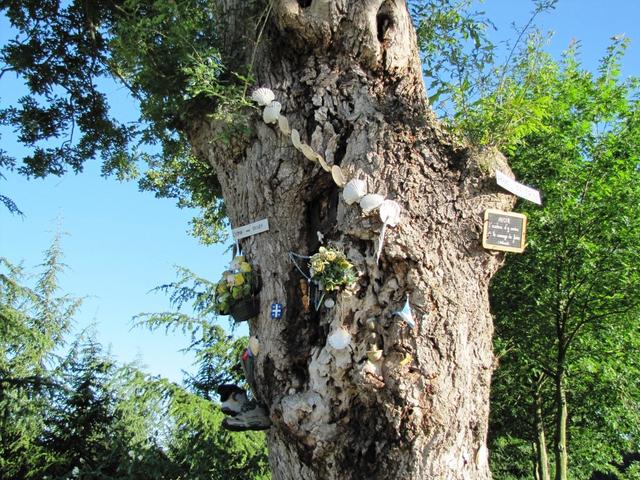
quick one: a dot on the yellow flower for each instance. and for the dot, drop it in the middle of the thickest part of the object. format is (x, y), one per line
(322, 250)
(239, 279)
(331, 255)
(317, 265)
(221, 287)
(245, 267)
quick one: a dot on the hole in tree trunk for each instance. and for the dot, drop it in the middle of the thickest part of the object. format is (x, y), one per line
(384, 20)
(304, 3)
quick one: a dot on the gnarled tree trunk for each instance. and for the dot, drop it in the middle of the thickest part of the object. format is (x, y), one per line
(348, 76)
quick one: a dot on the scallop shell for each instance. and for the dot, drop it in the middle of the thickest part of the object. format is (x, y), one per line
(338, 177)
(370, 202)
(271, 112)
(295, 138)
(263, 96)
(374, 355)
(283, 125)
(308, 152)
(340, 339)
(354, 191)
(254, 345)
(390, 212)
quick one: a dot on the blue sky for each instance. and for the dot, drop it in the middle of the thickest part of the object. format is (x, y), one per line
(120, 243)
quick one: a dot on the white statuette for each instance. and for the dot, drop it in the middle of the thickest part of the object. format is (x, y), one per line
(263, 96)
(354, 191)
(390, 212)
(271, 112)
(339, 339)
(370, 202)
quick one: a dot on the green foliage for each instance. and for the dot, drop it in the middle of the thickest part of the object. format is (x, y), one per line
(487, 102)
(569, 306)
(166, 54)
(83, 416)
(216, 353)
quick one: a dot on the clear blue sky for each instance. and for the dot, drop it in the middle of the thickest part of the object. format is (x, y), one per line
(121, 243)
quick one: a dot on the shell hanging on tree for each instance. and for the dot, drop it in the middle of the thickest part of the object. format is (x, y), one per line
(354, 190)
(271, 112)
(308, 152)
(263, 96)
(295, 139)
(390, 212)
(338, 177)
(283, 125)
(370, 202)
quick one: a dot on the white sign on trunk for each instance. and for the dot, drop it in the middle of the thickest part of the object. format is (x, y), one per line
(518, 188)
(250, 229)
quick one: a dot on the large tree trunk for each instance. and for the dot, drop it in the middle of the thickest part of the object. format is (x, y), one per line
(348, 76)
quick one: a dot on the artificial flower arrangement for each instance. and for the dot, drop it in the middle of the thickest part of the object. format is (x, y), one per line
(331, 270)
(235, 291)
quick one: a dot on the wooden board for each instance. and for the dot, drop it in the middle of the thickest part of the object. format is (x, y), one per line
(504, 231)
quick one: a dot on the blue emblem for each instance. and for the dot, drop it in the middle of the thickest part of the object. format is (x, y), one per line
(276, 310)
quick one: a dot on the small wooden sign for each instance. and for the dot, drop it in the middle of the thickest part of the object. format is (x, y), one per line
(505, 231)
(251, 229)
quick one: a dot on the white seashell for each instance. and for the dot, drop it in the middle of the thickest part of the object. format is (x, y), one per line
(329, 303)
(271, 112)
(390, 212)
(263, 96)
(325, 166)
(370, 202)
(254, 345)
(339, 339)
(295, 138)
(308, 152)
(337, 175)
(283, 125)
(354, 191)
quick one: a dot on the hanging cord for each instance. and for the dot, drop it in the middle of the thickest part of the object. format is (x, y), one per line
(293, 256)
(317, 302)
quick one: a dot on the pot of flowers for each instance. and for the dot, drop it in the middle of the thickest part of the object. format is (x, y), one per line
(331, 271)
(236, 291)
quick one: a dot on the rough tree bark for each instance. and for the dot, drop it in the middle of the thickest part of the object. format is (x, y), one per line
(348, 76)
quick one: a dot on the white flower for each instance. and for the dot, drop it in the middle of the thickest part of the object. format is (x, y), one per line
(75, 471)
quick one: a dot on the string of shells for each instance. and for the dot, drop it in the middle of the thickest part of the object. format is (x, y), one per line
(354, 190)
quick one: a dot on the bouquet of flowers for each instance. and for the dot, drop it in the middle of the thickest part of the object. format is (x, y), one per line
(331, 270)
(235, 285)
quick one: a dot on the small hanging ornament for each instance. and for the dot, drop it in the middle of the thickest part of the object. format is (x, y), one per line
(405, 314)
(263, 96)
(295, 139)
(354, 190)
(370, 202)
(271, 112)
(283, 125)
(390, 215)
(338, 177)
